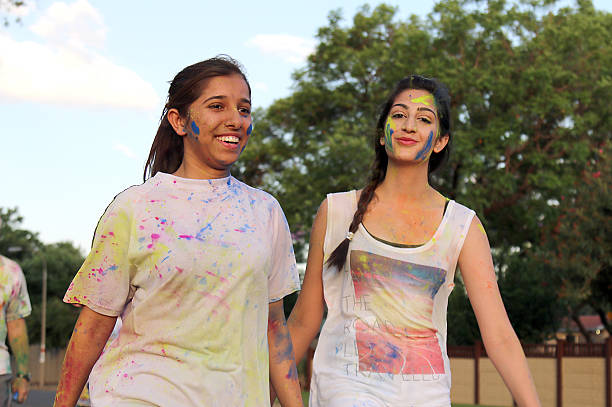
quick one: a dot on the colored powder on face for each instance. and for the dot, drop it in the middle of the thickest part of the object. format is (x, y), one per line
(427, 100)
(195, 128)
(424, 153)
(250, 129)
(389, 130)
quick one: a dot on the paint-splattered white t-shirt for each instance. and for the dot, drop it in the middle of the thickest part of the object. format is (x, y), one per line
(14, 304)
(383, 343)
(190, 265)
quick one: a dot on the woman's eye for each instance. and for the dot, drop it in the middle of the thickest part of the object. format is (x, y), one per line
(244, 111)
(397, 115)
(215, 106)
(426, 120)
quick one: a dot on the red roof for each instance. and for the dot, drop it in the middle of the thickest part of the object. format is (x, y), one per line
(589, 322)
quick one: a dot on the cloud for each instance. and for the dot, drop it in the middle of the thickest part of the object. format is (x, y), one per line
(123, 149)
(64, 67)
(288, 47)
(77, 25)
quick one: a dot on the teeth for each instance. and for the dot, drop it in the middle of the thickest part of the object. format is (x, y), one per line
(229, 139)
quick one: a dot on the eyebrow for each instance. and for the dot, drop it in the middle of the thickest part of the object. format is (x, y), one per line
(244, 100)
(426, 108)
(418, 109)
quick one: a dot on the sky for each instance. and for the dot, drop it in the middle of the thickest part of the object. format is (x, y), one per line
(82, 85)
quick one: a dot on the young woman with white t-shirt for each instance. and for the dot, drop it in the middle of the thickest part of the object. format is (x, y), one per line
(195, 262)
(382, 260)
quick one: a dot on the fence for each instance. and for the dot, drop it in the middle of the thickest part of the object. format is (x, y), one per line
(565, 374)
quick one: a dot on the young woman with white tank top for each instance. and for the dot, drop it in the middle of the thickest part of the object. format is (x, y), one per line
(382, 261)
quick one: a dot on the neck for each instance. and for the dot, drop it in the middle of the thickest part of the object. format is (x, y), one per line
(406, 183)
(195, 170)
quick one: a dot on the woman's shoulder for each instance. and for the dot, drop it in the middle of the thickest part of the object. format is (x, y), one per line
(131, 196)
(342, 203)
(460, 207)
(133, 192)
(344, 194)
(256, 195)
(343, 198)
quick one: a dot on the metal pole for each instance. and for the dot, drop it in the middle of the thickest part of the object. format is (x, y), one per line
(43, 321)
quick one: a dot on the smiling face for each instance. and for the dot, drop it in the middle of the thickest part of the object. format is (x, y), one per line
(412, 127)
(217, 127)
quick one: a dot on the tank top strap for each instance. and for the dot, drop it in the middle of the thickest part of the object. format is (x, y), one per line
(341, 207)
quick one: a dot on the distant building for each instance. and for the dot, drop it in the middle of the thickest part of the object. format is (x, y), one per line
(591, 323)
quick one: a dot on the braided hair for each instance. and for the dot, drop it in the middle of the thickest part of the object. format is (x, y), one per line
(379, 166)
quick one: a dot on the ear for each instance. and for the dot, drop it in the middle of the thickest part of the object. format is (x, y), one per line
(177, 122)
(441, 142)
(381, 141)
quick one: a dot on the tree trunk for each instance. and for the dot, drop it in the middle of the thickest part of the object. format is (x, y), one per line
(583, 331)
(603, 317)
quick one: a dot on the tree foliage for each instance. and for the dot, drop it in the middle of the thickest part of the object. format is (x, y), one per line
(9, 6)
(577, 245)
(529, 83)
(15, 242)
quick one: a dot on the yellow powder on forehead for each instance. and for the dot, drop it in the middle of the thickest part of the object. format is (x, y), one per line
(427, 100)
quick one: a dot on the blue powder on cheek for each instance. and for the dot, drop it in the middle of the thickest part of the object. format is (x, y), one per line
(389, 136)
(423, 153)
(195, 128)
(250, 129)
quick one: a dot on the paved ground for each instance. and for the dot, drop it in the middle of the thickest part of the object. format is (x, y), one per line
(38, 398)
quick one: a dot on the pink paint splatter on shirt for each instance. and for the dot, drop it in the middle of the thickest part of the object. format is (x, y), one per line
(223, 279)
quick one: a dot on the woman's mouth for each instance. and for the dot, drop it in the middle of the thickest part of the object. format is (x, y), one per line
(407, 141)
(229, 141)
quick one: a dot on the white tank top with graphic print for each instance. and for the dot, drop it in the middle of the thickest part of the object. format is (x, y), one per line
(384, 340)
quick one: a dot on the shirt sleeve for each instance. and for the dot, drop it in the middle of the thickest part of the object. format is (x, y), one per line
(103, 281)
(19, 303)
(283, 278)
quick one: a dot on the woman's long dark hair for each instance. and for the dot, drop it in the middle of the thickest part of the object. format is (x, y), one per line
(379, 166)
(166, 153)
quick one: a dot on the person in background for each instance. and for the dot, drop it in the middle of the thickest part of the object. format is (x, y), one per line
(383, 259)
(195, 262)
(14, 307)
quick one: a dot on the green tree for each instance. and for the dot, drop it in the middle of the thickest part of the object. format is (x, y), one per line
(577, 245)
(528, 82)
(15, 242)
(62, 260)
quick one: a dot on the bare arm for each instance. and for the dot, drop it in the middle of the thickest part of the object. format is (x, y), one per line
(88, 339)
(499, 338)
(305, 319)
(283, 371)
(18, 339)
